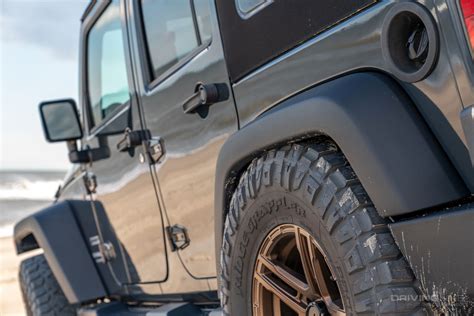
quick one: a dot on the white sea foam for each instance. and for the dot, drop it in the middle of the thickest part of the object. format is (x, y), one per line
(28, 190)
(23, 193)
(6, 231)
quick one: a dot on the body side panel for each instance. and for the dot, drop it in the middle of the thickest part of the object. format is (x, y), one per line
(439, 248)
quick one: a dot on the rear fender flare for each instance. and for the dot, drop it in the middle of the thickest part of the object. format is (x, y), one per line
(374, 123)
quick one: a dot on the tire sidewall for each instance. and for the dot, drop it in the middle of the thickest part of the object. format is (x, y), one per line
(271, 208)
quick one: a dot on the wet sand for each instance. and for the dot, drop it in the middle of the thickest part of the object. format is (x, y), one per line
(11, 303)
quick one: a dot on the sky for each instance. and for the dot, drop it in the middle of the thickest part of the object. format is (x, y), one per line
(39, 42)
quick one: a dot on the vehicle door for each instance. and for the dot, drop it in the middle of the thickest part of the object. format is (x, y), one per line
(181, 63)
(123, 183)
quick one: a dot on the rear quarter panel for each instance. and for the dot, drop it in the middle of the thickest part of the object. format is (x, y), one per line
(355, 46)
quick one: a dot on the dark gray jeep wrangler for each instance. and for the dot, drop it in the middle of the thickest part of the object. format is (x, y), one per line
(262, 157)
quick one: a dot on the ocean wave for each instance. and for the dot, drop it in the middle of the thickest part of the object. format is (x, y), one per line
(28, 190)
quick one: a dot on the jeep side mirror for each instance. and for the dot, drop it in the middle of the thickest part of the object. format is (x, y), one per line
(60, 121)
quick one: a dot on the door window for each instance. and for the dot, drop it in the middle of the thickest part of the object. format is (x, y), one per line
(174, 29)
(203, 17)
(106, 65)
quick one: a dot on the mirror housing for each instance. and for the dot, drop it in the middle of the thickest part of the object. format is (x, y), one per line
(60, 120)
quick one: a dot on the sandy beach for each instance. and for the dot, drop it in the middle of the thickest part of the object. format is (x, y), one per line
(11, 303)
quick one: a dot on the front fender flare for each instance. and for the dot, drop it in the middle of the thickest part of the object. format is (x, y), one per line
(377, 127)
(56, 231)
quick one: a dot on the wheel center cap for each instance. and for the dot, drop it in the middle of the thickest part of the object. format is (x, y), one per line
(314, 310)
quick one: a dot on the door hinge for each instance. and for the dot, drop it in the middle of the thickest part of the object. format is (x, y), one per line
(90, 182)
(154, 148)
(178, 236)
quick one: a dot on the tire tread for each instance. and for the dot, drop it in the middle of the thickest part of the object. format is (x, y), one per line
(41, 292)
(320, 173)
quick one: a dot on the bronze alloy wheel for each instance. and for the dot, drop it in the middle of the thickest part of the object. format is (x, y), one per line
(292, 277)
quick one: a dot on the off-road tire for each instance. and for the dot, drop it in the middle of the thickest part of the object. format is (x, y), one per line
(313, 186)
(42, 295)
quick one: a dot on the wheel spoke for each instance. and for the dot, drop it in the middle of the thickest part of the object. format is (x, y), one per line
(307, 255)
(285, 275)
(326, 287)
(335, 310)
(293, 302)
(276, 306)
(321, 281)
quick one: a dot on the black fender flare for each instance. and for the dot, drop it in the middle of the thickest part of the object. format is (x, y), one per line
(377, 127)
(56, 231)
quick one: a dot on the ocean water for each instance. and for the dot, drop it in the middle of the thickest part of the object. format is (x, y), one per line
(23, 193)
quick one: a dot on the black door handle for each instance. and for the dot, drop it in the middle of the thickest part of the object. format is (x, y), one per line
(132, 139)
(205, 95)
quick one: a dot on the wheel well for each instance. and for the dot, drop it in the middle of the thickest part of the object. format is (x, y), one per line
(234, 177)
(27, 243)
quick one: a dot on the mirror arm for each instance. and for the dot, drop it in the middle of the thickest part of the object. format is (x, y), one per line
(88, 155)
(71, 146)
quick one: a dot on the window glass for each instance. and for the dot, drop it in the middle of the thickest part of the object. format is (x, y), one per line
(203, 17)
(169, 30)
(106, 66)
